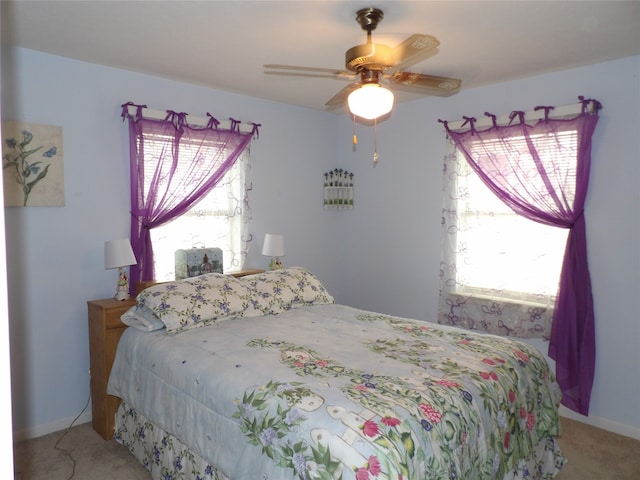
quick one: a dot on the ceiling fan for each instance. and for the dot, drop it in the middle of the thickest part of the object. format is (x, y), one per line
(373, 62)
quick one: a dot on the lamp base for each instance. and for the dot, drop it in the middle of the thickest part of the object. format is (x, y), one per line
(275, 264)
(121, 296)
(122, 291)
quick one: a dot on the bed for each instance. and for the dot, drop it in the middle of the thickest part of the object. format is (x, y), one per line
(265, 377)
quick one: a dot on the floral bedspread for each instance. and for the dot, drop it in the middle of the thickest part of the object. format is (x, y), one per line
(329, 392)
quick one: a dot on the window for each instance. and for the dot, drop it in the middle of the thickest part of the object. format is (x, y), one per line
(538, 164)
(501, 253)
(500, 270)
(176, 161)
(215, 221)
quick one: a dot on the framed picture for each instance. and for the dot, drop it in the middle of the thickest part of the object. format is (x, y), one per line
(32, 165)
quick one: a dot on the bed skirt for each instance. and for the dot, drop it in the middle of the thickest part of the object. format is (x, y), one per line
(167, 457)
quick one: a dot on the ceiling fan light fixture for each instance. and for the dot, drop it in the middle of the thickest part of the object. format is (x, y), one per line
(370, 101)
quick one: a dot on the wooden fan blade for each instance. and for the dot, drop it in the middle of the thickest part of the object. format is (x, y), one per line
(340, 98)
(309, 71)
(413, 50)
(311, 75)
(443, 86)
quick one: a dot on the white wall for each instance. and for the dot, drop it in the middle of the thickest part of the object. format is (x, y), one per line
(55, 254)
(392, 257)
(382, 255)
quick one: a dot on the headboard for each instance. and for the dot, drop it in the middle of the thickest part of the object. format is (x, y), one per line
(142, 284)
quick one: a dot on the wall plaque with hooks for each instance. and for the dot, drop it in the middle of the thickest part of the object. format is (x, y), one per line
(338, 189)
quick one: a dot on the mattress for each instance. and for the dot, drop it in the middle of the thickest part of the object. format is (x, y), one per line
(329, 391)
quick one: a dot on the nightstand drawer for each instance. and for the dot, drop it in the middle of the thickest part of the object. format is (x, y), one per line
(110, 310)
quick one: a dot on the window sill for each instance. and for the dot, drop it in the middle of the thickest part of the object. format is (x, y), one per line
(515, 298)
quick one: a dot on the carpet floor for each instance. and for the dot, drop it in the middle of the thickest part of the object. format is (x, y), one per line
(592, 453)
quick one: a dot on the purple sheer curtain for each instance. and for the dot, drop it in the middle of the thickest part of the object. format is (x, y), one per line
(533, 184)
(178, 171)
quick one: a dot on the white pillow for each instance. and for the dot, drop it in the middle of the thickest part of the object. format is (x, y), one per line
(142, 318)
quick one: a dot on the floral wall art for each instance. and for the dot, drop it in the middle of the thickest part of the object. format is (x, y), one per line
(32, 165)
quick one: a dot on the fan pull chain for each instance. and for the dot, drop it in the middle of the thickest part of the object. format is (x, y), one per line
(355, 138)
(375, 142)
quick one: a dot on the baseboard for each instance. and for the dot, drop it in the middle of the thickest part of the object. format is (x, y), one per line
(599, 422)
(55, 426)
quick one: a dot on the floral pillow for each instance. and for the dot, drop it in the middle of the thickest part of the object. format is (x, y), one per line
(279, 290)
(198, 301)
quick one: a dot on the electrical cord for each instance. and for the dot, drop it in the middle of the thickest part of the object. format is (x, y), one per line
(73, 460)
(20, 475)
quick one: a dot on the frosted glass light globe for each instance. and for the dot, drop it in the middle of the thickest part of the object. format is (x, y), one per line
(370, 101)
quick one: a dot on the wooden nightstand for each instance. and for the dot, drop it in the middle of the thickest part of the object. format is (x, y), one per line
(105, 329)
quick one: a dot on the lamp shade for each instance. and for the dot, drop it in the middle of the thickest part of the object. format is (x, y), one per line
(273, 245)
(370, 101)
(118, 253)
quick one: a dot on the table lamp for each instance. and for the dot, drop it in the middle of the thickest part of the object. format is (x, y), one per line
(273, 247)
(119, 254)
